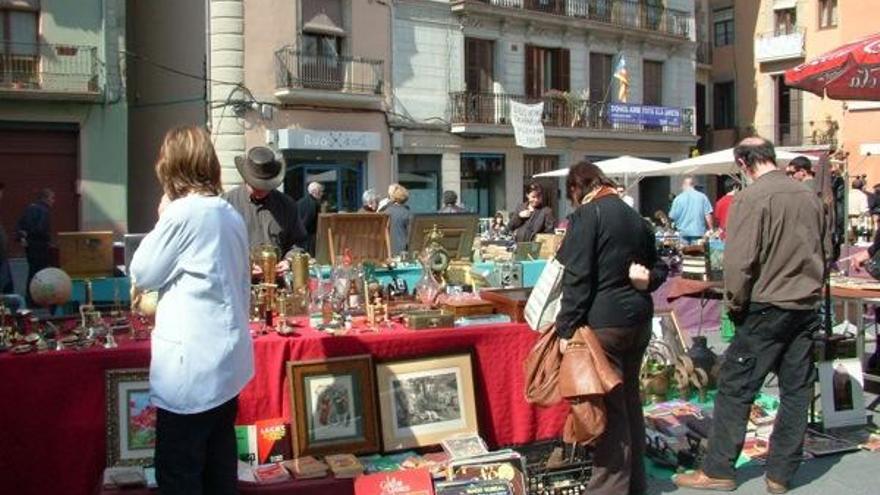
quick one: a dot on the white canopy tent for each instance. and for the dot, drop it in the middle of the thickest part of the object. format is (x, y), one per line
(717, 163)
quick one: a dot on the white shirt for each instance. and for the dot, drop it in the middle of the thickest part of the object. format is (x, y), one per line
(858, 202)
(197, 258)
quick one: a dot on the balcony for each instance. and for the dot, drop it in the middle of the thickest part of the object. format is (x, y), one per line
(598, 14)
(48, 71)
(704, 53)
(348, 82)
(780, 45)
(564, 115)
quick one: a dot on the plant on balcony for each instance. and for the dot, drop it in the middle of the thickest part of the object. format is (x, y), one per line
(828, 135)
(574, 107)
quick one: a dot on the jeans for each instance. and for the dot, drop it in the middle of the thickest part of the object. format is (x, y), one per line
(618, 458)
(768, 339)
(196, 453)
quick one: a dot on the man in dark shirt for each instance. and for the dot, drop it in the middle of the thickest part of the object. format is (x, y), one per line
(270, 215)
(6, 286)
(773, 274)
(309, 208)
(532, 217)
(35, 234)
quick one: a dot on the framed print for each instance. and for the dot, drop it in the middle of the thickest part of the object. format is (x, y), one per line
(334, 408)
(842, 387)
(424, 401)
(131, 418)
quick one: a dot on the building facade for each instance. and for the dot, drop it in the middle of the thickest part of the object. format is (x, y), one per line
(63, 107)
(753, 44)
(309, 78)
(459, 64)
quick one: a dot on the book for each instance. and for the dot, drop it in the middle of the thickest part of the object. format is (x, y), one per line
(273, 441)
(408, 482)
(474, 487)
(306, 467)
(344, 465)
(505, 465)
(119, 477)
(463, 446)
(246, 443)
(271, 473)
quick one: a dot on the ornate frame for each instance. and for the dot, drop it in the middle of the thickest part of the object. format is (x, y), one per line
(117, 382)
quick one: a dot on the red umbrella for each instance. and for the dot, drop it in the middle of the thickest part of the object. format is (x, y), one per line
(851, 72)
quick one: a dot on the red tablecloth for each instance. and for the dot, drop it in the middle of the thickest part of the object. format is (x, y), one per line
(53, 411)
(322, 486)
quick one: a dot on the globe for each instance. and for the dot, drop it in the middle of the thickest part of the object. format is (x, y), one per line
(147, 303)
(50, 286)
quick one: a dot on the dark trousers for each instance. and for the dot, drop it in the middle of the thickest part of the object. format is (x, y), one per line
(37, 258)
(196, 453)
(769, 339)
(618, 458)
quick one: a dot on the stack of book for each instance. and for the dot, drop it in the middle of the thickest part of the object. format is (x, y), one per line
(502, 473)
(304, 468)
(344, 465)
(271, 473)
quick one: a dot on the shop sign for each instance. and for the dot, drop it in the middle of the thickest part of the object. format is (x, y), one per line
(304, 139)
(623, 113)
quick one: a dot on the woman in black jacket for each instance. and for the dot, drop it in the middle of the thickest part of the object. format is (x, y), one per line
(607, 286)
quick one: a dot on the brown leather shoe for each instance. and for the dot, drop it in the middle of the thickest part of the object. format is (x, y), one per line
(698, 480)
(775, 488)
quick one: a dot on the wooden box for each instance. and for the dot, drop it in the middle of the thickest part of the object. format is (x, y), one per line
(86, 254)
(469, 307)
(366, 234)
(430, 318)
(511, 302)
(549, 244)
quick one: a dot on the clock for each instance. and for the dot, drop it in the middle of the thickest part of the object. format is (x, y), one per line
(434, 257)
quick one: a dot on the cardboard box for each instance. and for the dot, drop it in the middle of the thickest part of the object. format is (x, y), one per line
(86, 254)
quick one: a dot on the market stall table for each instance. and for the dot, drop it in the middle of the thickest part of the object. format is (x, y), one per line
(53, 414)
(853, 294)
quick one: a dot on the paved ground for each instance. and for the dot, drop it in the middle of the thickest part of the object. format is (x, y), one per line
(851, 474)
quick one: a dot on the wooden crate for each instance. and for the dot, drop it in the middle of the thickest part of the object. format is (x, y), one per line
(86, 254)
(511, 302)
(469, 307)
(366, 234)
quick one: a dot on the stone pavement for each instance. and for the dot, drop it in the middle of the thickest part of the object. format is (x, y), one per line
(856, 473)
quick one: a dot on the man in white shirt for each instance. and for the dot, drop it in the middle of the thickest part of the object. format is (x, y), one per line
(858, 200)
(621, 191)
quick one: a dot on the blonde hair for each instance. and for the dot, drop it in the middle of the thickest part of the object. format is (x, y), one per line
(187, 163)
(398, 193)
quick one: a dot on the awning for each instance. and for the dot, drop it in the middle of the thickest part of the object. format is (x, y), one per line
(323, 16)
(784, 4)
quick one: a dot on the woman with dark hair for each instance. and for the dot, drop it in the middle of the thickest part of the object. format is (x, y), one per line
(607, 286)
(532, 217)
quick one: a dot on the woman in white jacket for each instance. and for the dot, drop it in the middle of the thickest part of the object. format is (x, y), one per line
(196, 257)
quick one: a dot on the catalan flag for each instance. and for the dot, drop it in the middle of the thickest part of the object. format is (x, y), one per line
(621, 75)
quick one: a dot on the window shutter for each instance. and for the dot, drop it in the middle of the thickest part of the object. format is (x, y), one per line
(531, 66)
(564, 68)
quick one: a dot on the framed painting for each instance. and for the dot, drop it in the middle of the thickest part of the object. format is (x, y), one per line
(424, 401)
(333, 406)
(841, 384)
(131, 418)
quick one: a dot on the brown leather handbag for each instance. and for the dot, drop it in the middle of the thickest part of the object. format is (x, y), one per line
(582, 376)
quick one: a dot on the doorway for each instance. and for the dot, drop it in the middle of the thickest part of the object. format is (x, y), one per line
(482, 183)
(343, 184)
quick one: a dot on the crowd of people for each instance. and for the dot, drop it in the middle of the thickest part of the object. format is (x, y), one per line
(197, 255)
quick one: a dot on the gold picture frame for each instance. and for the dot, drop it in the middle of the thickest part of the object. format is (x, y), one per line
(131, 418)
(426, 400)
(333, 406)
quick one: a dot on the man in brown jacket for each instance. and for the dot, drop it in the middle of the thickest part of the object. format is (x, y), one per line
(773, 272)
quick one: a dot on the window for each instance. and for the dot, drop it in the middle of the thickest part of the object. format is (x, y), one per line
(482, 183)
(827, 14)
(652, 83)
(321, 45)
(723, 22)
(600, 76)
(479, 62)
(724, 106)
(321, 67)
(19, 51)
(420, 174)
(785, 21)
(789, 121)
(546, 69)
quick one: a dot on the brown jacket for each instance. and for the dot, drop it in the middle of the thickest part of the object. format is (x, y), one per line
(774, 250)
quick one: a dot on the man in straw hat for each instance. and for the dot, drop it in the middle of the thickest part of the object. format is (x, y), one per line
(271, 216)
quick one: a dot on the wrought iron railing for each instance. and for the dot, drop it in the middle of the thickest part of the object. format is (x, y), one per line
(646, 14)
(49, 67)
(704, 52)
(560, 111)
(296, 70)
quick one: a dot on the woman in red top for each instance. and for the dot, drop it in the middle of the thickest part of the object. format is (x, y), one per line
(722, 206)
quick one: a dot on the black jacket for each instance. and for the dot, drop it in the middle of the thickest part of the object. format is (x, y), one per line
(525, 229)
(604, 237)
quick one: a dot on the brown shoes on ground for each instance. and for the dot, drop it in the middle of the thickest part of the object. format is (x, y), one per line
(698, 480)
